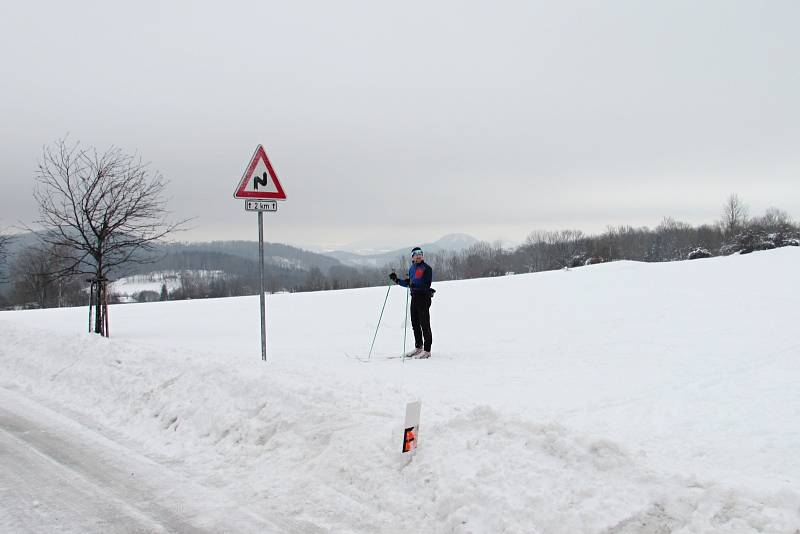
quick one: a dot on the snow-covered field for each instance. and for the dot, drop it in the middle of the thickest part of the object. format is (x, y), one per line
(129, 286)
(621, 397)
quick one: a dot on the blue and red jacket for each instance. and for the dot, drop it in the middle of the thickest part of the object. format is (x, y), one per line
(419, 279)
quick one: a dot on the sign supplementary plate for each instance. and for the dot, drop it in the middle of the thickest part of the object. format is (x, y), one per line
(260, 205)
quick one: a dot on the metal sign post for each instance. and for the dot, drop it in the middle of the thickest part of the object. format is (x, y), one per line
(260, 189)
(261, 294)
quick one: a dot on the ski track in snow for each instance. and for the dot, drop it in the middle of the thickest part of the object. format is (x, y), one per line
(616, 398)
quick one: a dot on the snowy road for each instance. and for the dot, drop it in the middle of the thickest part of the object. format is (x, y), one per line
(59, 476)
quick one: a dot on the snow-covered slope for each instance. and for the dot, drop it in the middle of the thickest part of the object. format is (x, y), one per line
(131, 285)
(622, 397)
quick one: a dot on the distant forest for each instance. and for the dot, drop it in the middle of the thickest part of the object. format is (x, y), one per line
(28, 280)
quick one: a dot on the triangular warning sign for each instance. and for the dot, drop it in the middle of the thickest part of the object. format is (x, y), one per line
(260, 180)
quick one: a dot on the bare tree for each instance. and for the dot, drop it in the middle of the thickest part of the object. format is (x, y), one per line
(534, 252)
(774, 220)
(104, 210)
(315, 280)
(31, 274)
(565, 247)
(631, 243)
(5, 241)
(673, 240)
(734, 215)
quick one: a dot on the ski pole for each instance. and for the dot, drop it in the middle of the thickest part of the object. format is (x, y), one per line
(379, 320)
(405, 328)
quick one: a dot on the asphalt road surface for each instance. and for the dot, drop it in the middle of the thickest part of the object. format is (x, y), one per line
(57, 475)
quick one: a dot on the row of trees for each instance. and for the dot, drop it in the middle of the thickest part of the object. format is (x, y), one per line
(36, 281)
(38, 275)
(671, 240)
(5, 241)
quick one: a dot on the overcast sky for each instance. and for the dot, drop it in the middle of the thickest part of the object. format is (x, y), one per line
(398, 122)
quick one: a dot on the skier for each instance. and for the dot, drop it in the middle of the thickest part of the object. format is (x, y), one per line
(420, 276)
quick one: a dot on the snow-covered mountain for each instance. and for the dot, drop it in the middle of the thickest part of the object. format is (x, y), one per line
(450, 242)
(616, 398)
(454, 242)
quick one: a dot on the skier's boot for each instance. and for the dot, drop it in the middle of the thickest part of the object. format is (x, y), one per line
(414, 353)
(423, 355)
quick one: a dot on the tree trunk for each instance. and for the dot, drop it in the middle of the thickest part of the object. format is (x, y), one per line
(98, 309)
(99, 299)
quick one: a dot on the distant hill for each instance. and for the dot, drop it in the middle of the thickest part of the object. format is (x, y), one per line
(454, 242)
(285, 266)
(450, 242)
(277, 254)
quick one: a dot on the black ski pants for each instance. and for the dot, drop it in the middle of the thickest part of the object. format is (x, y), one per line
(421, 321)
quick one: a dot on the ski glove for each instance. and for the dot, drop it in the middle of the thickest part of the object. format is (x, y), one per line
(393, 277)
